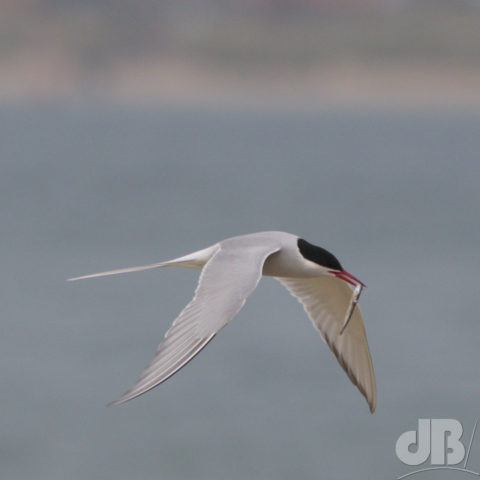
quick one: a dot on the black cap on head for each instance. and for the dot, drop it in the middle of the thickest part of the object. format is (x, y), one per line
(318, 255)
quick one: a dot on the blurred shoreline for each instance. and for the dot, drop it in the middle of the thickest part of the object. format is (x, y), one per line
(180, 82)
(421, 56)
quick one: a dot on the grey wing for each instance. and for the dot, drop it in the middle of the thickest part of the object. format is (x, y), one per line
(226, 281)
(326, 299)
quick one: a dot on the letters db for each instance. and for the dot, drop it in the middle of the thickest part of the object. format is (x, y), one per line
(437, 438)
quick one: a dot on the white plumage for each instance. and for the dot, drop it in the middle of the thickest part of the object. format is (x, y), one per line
(231, 270)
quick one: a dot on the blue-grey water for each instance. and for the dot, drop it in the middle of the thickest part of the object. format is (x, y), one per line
(85, 188)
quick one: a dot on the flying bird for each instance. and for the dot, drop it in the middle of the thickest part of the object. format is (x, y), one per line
(230, 271)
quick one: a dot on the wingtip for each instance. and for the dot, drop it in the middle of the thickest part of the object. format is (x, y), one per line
(372, 404)
(113, 403)
(124, 398)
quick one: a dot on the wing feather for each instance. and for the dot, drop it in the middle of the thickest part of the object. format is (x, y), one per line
(225, 282)
(326, 299)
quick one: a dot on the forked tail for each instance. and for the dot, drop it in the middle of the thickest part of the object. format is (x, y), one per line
(192, 260)
(120, 270)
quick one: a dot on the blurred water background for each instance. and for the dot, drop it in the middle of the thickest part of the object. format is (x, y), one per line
(133, 134)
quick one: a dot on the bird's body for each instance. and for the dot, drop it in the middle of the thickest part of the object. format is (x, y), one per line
(231, 269)
(286, 262)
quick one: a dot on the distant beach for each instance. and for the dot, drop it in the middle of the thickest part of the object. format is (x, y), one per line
(181, 82)
(425, 57)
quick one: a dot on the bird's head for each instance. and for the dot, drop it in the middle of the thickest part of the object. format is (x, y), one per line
(328, 261)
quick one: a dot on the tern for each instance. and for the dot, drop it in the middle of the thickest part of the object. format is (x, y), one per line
(230, 271)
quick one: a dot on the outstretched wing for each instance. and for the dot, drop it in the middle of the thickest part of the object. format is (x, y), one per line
(326, 300)
(226, 281)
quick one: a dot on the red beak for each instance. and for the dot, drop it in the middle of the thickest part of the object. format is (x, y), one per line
(347, 277)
